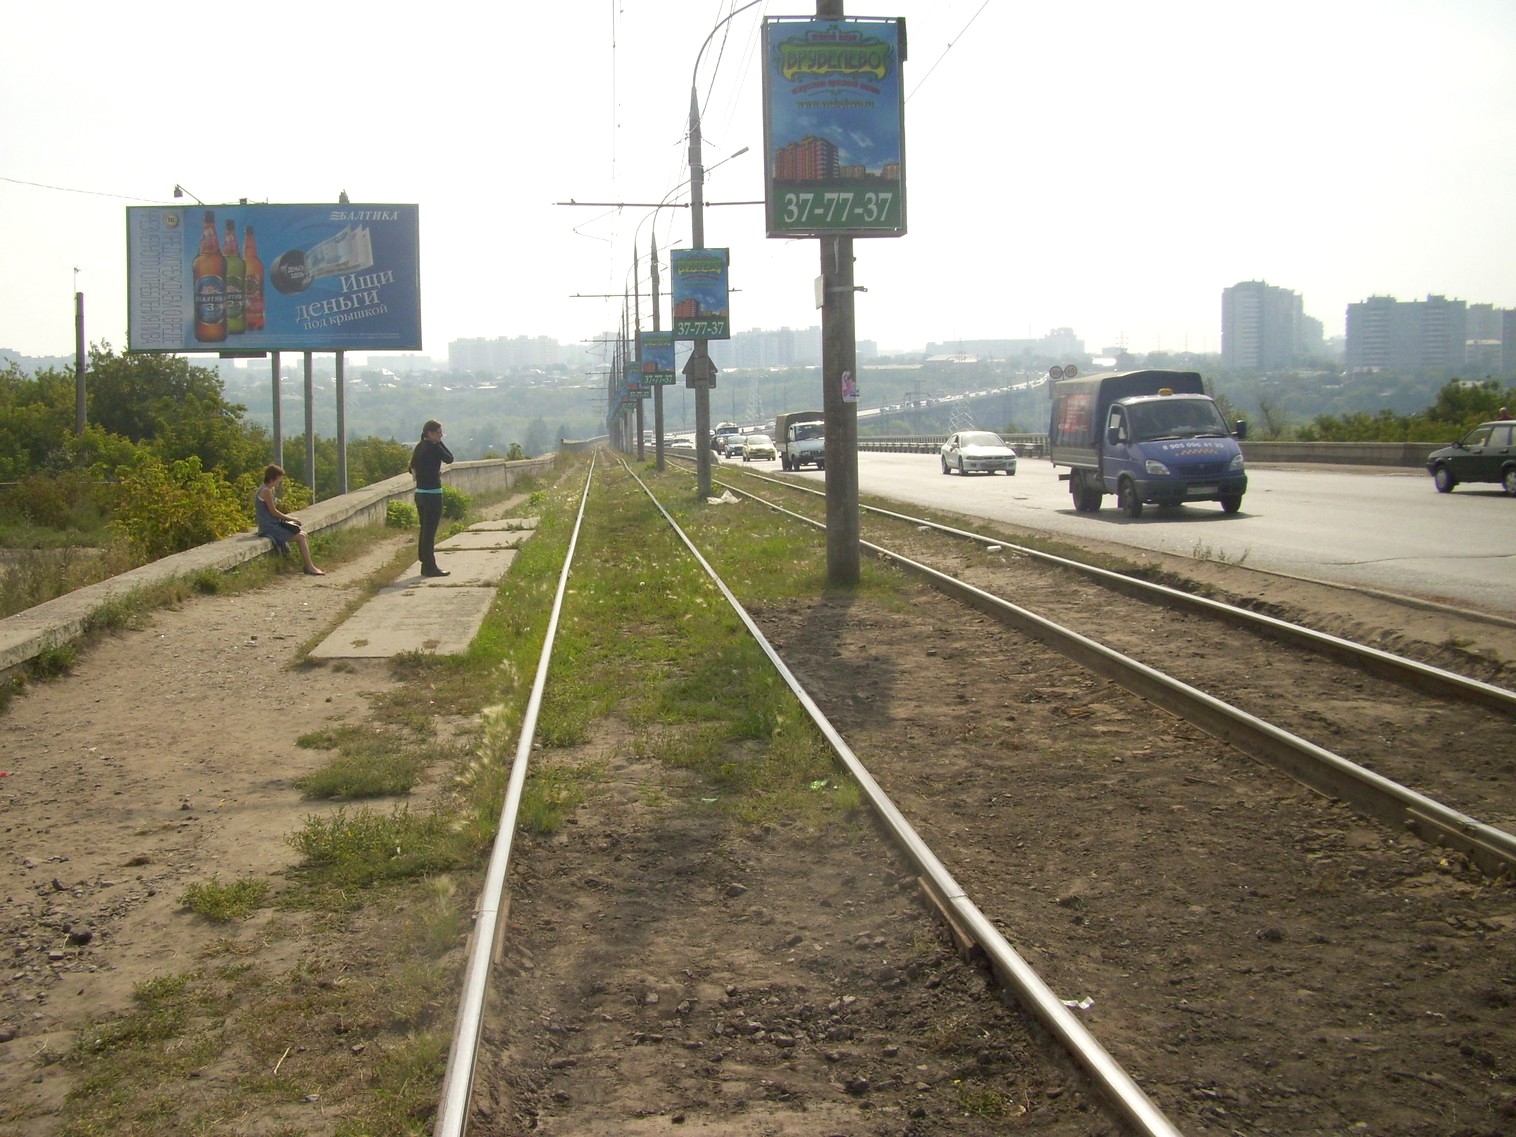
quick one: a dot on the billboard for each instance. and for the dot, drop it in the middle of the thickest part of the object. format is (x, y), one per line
(658, 359)
(702, 308)
(273, 278)
(834, 126)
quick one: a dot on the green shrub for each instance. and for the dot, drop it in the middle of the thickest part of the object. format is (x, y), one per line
(225, 902)
(455, 503)
(166, 509)
(401, 515)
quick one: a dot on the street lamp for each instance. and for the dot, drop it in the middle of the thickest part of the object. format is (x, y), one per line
(700, 371)
(180, 191)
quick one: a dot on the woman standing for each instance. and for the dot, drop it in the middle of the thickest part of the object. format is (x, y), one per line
(278, 526)
(426, 468)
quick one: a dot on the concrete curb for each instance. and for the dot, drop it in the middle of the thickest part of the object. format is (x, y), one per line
(28, 634)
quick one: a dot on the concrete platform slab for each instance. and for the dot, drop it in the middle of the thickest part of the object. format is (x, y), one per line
(436, 615)
(426, 615)
(484, 539)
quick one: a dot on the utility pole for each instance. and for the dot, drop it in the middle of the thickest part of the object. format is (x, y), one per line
(839, 371)
(658, 390)
(78, 359)
(699, 371)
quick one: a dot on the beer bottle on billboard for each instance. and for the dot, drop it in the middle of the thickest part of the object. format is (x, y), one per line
(252, 282)
(236, 315)
(210, 286)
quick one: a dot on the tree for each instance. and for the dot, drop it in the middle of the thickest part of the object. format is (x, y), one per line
(179, 408)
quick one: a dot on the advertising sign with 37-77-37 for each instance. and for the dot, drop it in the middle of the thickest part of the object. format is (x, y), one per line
(834, 126)
(252, 278)
(701, 297)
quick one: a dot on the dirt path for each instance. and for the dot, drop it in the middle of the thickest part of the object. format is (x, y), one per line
(167, 758)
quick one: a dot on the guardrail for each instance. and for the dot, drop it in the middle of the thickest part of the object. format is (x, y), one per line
(1402, 455)
(1025, 445)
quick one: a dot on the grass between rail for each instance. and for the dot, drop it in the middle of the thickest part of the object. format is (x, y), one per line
(326, 1006)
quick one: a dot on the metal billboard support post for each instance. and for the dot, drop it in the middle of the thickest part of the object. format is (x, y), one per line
(310, 426)
(341, 425)
(278, 416)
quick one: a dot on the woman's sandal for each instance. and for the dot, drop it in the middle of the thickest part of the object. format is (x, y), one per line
(315, 572)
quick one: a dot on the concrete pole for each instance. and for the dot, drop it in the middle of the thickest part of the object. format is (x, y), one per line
(699, 371)
(78, 363)
(839, 368)
(658, 390)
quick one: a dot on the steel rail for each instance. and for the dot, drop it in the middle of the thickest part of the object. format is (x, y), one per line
(1492, 849)
(494, 904)
(1135, 1107)
(1386, 665)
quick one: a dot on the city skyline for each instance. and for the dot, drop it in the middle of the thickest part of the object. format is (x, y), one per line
(1099, 166)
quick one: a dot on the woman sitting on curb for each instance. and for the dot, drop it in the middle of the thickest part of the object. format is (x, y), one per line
(278, 526)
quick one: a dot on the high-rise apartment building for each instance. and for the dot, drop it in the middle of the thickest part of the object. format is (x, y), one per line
(503, 355)
(1264, 328)
(1385, 334)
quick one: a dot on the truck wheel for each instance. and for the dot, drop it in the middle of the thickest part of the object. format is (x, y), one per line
(1131, 504)
(785, 461)
(1442, 478)
(1086, 498)
(1231, 504)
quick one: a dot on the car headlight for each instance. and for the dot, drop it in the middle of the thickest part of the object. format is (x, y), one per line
(1157, 468)
(1236, 466)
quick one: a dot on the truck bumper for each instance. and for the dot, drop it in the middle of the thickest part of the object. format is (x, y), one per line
(1177, 491)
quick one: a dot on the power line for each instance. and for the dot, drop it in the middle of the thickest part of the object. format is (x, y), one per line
(71, 189)
(945, 50)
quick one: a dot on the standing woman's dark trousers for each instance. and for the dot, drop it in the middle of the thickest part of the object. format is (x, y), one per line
(429, 508)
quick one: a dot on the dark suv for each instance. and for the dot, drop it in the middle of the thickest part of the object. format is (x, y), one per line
(1485, 454)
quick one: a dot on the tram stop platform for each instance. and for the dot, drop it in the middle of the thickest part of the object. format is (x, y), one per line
(435, 615)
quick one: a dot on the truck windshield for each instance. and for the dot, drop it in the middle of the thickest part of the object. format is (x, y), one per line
(809, 430)
(1176, 418)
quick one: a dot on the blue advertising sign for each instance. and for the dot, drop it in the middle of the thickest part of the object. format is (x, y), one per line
(632, 385)
(702, 308)
(834, 126)
(658, 359)
(273, 278)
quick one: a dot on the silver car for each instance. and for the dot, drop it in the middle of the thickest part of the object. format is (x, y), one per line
(970, 451)
(758, 447)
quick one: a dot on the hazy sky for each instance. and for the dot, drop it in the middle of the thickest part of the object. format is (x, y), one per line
(1105, 166)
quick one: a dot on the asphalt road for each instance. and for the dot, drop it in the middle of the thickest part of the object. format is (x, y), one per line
(1381, 529)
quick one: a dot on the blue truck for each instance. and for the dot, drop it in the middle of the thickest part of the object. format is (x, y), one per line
(1149, 437)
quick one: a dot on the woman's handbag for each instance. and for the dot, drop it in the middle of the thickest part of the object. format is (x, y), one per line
(290, 523)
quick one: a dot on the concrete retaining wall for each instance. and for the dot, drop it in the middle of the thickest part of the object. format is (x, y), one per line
(28, 634)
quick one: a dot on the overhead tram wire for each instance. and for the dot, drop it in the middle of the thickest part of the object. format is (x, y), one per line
(951, 43)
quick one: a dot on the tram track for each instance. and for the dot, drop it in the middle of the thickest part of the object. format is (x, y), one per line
(1395, 766)
(1149, 868)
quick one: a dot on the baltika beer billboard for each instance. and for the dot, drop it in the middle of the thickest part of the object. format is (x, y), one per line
(273, 278)
(834, 126)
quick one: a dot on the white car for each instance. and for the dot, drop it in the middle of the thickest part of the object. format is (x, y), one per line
(970, 451)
